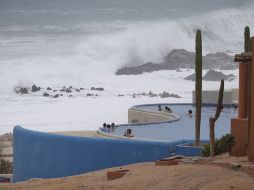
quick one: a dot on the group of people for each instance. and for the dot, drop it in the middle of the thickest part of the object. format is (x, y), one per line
(109, 127)
(112, 126)
(167, 109)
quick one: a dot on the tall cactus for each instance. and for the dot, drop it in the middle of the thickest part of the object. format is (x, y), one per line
(247, 48)
(247, 39)
(212, 120)
(198, 85)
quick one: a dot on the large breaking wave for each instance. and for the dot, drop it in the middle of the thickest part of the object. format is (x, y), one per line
(94, 58)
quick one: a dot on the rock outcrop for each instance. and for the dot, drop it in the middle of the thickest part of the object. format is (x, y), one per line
(181, 59)
(58, 92)
(21, 90)
(213, 75)
(35, 88)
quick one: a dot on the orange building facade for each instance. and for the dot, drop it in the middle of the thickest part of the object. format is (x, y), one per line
(242, 128)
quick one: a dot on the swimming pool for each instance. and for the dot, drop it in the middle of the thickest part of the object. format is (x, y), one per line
(170, 131)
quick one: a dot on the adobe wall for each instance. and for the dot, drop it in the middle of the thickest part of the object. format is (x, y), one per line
(239, 130)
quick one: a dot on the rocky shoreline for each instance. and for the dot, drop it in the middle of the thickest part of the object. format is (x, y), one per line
(182, 59)
(56, 93)
(84, 92)
(164, 94)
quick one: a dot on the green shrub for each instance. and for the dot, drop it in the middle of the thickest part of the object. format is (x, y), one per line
(5, 166)
(206, 150)
(222, 145)
(225, 143)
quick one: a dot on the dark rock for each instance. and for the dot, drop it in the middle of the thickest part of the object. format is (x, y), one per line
(70, 87)
(49, 88)
(70, 95)
(151, 94)
(35, 88)
(147, 67)
(56, 95)
(77, 90)
(81, 88)
(62, 90)
(181, 59)
(68, 90)
(175, 96)
(167, 95)
(23, 91)
(45, 94)
(88, 94)
(99, 89)
(212, 75)
(162, 95)
(54, 90)
(220, 61)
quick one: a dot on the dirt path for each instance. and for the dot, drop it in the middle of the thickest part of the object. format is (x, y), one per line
(147, 176)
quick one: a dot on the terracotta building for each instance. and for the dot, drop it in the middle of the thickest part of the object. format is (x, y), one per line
(242, 128)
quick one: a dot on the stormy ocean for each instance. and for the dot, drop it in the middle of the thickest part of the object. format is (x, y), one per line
(82, 43)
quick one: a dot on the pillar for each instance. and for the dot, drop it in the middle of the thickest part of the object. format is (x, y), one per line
(243, 90)
(251, 118)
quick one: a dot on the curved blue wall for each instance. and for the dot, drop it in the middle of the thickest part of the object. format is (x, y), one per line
(43, 155)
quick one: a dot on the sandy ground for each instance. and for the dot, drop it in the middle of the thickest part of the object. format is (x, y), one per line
(184, 176)
(6, 149)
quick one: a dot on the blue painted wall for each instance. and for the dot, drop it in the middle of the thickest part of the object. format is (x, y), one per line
(186, 150)
(43, 155)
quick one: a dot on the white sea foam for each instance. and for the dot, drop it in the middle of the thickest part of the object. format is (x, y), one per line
(85, 60)
(88, 54)
(88, 113)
